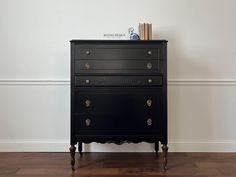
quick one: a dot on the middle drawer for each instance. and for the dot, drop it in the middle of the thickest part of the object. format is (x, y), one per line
(88, 81)
(117, 100)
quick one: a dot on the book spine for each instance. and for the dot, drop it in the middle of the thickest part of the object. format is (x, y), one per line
(146, 31)
(140, 31)
(143, 36)
(150, 31)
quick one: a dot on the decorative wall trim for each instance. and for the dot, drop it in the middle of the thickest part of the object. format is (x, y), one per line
(34, 82)
(207, 82)
(62, 146)
(67, 82)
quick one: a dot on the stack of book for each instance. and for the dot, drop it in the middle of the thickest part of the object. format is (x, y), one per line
(145, 31)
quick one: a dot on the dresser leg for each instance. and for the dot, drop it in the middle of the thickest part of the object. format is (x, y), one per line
(156, 147)
(72, 154)
(165, 151)
(80, 148)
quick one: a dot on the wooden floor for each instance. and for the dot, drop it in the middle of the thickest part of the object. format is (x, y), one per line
(117, 165)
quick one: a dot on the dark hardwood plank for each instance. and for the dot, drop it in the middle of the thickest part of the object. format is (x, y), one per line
(117, 165)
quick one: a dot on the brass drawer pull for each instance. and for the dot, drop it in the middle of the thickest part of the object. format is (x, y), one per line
(149, 81)
(149, 65)
(87, 103)
(149, 122)
(149, 102)
(87, 81)
(87, 66)
(88, 52)
(87, 122)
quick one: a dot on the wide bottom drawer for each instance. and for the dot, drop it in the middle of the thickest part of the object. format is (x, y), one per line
(117, 110)
(116, 123)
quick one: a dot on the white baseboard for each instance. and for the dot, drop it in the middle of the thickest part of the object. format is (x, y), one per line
(219, 146)
(33, 146)
(63, 146)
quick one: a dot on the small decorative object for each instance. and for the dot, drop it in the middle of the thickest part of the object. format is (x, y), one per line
(133, 36)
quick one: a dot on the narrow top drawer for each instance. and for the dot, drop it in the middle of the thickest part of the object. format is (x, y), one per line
(117, 52)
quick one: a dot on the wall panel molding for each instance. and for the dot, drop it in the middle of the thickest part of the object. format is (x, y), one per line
(202, 82)
(34, 82)
(67, 82)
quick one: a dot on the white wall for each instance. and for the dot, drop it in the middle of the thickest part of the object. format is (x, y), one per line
(34, 68)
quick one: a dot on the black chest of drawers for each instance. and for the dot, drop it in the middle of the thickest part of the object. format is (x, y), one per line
(118, 93)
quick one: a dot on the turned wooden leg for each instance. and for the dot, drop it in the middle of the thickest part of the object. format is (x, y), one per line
(157, 147)
(165, 151)
(72, 154)
(80, 148)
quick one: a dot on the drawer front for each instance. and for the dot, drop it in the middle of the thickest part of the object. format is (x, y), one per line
(91, 81)
(118, 66)
(117, 52)
(120, 109)
(115, 124)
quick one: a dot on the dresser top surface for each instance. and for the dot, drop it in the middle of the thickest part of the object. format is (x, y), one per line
(119, 41)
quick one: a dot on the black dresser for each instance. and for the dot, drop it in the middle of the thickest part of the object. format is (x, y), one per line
(118, 93)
